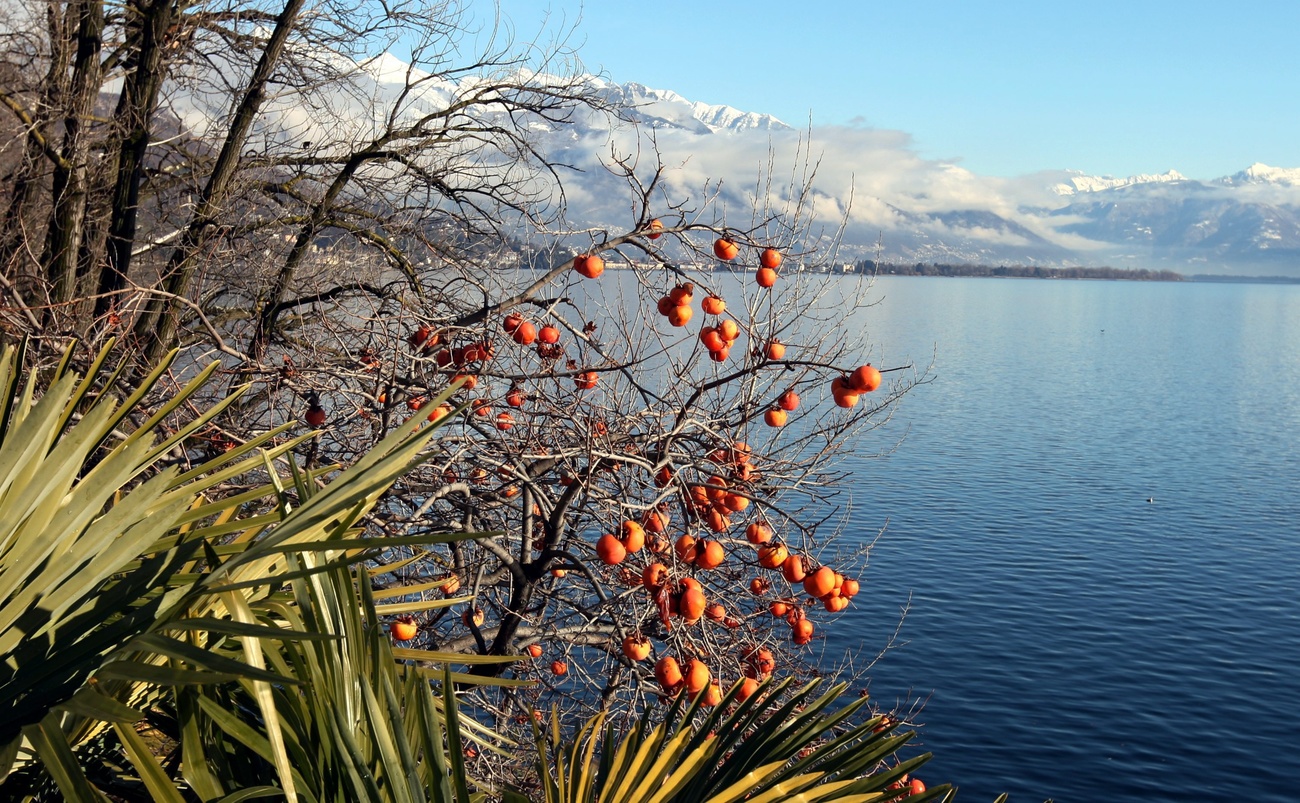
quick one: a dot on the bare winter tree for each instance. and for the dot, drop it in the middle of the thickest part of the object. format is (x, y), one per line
(651, 451)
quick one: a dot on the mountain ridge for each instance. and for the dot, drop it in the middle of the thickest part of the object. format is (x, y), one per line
(870, 180)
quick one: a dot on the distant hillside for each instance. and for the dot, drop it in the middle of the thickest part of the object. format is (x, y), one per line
(1017, 272)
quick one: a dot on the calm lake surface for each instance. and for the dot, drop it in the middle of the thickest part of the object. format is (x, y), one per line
(1095, 514)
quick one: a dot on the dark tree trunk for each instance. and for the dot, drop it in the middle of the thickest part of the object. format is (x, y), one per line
(67, 218)
(156, 327)
(135, 110)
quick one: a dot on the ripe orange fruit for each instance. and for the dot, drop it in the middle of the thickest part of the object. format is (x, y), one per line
(610, 550)
(535, 650)
(559, 668)
(662, 477)
(843, 393)
(419, 336)
(766, 277)
(747, 688)
(717, 522)
(710, 555)
(692, 605)
(770, 258)
(586, 380)
(820, 583)
(655, 521)
(712, 305)
(655, 229)
(712, 339)
(589, 265)
(636, 647)
(633, 536)
(736, 503)
(403, 628)
(474, 615)
(771, 556)
(759, 662)
(850, 587)
(729, 329)
(775, 417)
(697, 676)
(549, 335)
(865, 379)
(775, 349)
(792, 569)
(655, 575)
(505, 421)
(668, 672)
(515, 398)
(525, 334)
(685, 548)
(712, 695)
(740, 452)
(682, 293)
(450, 587)
(680, 315)
(788, 401)
(759, 586)
(725, 249)
(801, 631)
(715, 612)
(758, 532)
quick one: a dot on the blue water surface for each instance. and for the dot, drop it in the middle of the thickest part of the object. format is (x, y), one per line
(1095, 515)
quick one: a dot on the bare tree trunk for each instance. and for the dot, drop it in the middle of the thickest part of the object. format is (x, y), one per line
(39, 149)
(135, 110)
(67, 217)
(13, 229)
(157, 324)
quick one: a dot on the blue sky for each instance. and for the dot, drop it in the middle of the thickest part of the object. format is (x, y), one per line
(1002, 88)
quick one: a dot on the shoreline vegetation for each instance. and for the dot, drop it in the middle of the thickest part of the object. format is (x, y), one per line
(1034, 272)
(1016, 271)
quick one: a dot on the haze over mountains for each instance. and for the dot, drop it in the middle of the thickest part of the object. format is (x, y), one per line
(872, 179)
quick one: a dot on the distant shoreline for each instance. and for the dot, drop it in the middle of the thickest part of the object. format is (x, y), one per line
(1016, 272)
(1036, 272)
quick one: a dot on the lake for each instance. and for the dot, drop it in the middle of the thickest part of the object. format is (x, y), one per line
(1095, 514)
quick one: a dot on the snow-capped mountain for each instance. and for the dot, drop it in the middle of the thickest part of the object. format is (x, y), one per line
(1263, 174)
(1083, 183)
(870, 180)
(660, 108)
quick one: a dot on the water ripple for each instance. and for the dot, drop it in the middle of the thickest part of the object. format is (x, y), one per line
(1078, 641)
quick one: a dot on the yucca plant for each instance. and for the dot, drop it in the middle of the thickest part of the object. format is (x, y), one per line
(780, 744)
(124, 589)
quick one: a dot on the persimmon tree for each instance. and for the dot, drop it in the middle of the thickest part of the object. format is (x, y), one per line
(655, 446)
(649, 415)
